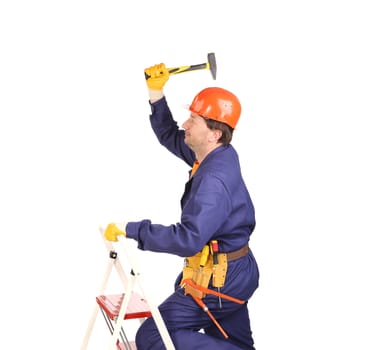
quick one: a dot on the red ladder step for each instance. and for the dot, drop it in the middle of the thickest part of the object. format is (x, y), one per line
(137, 307)
(132, 345)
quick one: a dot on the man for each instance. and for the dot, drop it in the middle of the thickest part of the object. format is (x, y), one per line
(217, 220)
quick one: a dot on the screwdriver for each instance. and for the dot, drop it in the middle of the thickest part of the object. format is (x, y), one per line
(214, 246)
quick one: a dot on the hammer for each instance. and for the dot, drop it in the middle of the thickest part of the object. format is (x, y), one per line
(211, 65)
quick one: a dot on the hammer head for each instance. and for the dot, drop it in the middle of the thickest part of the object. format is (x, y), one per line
(212, 64)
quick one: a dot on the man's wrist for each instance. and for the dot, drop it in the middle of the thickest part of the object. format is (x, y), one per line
(155, 95)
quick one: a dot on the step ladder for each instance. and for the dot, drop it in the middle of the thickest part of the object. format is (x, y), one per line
(117, 308)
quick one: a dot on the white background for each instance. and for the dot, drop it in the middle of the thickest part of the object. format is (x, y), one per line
(76, 152)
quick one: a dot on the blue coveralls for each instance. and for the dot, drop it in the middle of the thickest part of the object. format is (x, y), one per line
(215, 205)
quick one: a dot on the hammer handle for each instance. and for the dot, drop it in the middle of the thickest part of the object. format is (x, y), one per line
(187, 68)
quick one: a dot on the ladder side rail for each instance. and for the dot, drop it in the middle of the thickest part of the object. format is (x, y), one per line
(118, 266)
(160, 323)
(111, 262)
(96, 306)
(122, 312)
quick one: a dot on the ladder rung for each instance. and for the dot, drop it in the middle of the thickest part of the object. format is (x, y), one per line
(132, 344)
(137, 307)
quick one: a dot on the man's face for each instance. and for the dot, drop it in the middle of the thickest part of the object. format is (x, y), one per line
(197, 133)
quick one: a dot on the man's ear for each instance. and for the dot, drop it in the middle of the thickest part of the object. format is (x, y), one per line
(217, 134)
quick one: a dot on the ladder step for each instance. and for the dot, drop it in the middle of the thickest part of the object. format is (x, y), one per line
(121, 346)
(137, 307)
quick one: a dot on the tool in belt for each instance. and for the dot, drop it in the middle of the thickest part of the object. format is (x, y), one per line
(204, 266)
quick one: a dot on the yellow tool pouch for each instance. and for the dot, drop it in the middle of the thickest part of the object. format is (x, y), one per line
(202, 275)
(220, 271)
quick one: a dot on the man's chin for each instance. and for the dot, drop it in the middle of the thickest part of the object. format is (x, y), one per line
(186, 140)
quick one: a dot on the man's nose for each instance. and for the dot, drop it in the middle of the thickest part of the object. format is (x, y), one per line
(185, 124)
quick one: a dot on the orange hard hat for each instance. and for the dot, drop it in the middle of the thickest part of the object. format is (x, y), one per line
(218, 104)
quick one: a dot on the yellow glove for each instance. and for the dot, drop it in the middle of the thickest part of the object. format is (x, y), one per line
(113, 231)
(157, 76)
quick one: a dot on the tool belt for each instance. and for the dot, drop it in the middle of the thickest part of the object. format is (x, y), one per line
(202, 275)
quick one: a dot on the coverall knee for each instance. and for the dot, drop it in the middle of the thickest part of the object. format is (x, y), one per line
(185, 320)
